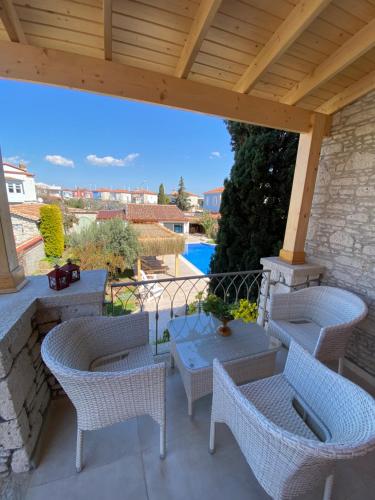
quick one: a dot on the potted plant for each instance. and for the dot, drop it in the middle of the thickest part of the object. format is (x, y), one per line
(221, 310)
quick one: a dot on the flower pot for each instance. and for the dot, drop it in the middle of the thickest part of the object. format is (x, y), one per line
(224, 329)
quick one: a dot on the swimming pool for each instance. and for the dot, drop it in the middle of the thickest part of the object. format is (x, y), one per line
(199, 254)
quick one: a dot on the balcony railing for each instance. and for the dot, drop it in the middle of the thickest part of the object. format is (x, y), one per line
(167, 298)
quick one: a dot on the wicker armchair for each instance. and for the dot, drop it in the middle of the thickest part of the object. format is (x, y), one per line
(292, 428)
(106, 367)
(320, 318)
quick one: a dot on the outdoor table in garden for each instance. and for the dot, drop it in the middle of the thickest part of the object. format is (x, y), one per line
(248, 353)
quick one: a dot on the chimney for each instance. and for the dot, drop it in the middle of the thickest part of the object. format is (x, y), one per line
(22, 166)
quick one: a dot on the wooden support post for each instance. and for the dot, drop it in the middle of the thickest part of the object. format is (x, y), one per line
(139, 275)
(305, 172)
(177, 265)
(12, 277)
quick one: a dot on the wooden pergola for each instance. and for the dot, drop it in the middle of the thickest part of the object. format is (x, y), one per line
(155, 240)
(285, 64)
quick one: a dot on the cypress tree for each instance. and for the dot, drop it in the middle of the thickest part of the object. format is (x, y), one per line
(52, 230)
(162, 199)
(256, 195)
(182, 198)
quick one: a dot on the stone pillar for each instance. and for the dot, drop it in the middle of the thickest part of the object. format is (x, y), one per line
(286, 278)
(12, 277)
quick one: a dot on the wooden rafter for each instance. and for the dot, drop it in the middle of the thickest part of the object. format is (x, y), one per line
(203, 19)
(349, 95)
(297, 21)
(55, 67)
(351, 50)
(11, 21)
(107, 25)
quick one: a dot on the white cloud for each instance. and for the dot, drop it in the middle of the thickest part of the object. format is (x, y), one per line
(59, 160)
(215, 154)
(15, 160)
(110, 161)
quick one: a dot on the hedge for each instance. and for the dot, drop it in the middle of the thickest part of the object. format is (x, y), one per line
(52, 230)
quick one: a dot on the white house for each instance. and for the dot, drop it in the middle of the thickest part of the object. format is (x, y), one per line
(144, 196)
(193, 199)
(212, 199)
(20, 183)
(48, 190)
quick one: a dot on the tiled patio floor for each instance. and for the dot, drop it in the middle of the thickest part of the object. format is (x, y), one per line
(122, 462)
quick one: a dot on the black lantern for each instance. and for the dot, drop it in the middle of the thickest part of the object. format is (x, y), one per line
(73, 271)
(58, 278)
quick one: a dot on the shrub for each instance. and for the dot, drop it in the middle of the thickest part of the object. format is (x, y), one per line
(245, 310)
(112, 244)
(52, 230)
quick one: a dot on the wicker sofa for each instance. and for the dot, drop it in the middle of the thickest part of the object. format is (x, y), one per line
(320, 318)
(106, 367)
(293, 428)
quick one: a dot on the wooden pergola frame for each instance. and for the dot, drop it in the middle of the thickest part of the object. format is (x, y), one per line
(20, 60)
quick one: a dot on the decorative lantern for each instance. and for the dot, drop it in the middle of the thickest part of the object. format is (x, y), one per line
(72, 270)
(58, 278)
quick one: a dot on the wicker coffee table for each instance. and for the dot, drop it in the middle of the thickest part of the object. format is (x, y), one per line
(248, 354)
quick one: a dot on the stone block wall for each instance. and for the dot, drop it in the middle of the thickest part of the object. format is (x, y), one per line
(23, 229)
(341, 233)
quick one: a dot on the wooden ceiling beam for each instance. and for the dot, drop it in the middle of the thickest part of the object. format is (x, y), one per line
(290, 29)
(65, 69)
(349, 95)
(11, 21)
(107, 26)
(352, 49)
(201, 23)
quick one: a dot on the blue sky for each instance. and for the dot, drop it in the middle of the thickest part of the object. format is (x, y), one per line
(75, 138)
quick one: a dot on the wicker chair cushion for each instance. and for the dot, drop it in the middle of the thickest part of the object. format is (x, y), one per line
(124, 360)
(306, 334)
(273, 398)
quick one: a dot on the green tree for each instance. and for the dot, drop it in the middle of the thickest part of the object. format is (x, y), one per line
(182, 197)
(75, 203)
(209, 225)
(255, 200)
(113, 242)
(162, 198)
(52, 230)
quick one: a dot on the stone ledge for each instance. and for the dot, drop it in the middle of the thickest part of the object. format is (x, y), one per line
(291, 274)
(13, 305)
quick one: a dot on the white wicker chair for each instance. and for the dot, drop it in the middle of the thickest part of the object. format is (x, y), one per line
(106, 367)
(320, 318)
(282, 450)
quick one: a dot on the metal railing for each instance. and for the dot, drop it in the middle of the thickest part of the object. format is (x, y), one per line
(167, 298)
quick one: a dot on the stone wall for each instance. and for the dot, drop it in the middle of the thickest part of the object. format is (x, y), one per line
(23, 229)
(341, 233)
(30, 257)
(26, 385)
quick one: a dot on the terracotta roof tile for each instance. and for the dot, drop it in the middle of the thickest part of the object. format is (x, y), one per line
(145, 212)
(27, 210)
(215, 190)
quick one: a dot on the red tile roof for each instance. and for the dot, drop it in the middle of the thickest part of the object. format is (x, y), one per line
(216, 190)
(142, 191)
(145, 212)
(32, 242)
(21, 170)
(27, 210)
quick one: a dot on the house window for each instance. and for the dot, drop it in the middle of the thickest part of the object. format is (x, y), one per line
(10, 188)
(178, 228)
(18, 188)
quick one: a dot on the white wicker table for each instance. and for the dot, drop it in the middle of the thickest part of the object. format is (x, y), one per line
(248, 354)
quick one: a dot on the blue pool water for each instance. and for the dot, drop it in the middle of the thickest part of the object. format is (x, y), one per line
(199, 254)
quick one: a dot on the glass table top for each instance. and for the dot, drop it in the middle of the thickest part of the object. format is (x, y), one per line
(198, 344)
